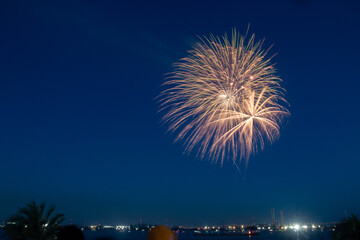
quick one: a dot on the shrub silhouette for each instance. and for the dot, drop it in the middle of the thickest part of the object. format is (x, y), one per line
(348, 229)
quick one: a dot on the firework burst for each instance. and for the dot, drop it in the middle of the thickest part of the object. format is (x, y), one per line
(224, 98)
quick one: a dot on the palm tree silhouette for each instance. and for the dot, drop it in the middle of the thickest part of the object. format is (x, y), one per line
(32, 222)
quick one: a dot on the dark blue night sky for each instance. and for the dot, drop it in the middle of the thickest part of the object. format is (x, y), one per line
(79, 126)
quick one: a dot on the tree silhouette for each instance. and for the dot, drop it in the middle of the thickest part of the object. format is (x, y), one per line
(32, 222)
(348, 229)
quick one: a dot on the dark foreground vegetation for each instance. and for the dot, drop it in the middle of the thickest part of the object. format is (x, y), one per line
(33, 222)
(348, 229)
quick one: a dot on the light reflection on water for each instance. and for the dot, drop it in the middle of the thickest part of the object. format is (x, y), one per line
(289, 235)
(264, 235)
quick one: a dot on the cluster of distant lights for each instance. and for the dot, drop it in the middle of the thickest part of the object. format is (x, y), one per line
(298, 227)
(295, 227)
(119, 227)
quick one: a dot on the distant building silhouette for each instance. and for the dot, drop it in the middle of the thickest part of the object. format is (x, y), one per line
(273, 222)
(281, 218)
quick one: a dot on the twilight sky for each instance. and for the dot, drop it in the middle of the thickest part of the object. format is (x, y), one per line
(79, 126)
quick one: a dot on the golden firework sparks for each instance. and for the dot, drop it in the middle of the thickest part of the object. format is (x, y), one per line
(224, 98)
